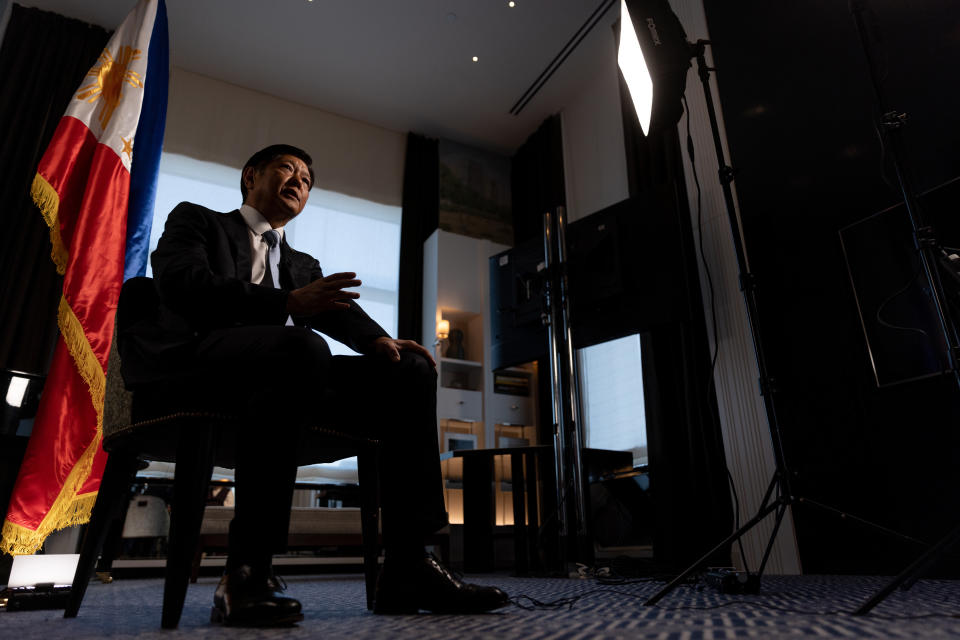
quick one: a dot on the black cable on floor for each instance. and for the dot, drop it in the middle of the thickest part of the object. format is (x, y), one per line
(529, 603)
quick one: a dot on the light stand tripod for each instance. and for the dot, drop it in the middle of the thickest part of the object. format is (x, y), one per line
(778, 496)
(891, 126)
(564, 385)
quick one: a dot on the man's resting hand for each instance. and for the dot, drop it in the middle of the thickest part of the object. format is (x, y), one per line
(390, 349)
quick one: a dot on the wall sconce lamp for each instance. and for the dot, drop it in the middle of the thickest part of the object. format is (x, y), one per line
(443, 329)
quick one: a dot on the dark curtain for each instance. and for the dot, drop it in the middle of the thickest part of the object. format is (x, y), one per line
(421, 212)
(536, 180)
(689, 484)
(43, 59)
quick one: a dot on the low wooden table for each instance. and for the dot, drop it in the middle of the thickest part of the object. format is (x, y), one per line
(479, 504)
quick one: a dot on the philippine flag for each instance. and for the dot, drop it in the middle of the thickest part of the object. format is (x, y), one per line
(95, 187)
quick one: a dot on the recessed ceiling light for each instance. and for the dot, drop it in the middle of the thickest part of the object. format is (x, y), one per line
(510, 4)
(476, 59)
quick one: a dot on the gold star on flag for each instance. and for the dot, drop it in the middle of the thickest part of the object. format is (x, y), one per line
(127, 147)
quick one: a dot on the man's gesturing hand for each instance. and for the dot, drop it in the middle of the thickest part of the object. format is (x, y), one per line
(326, 294)
(391, 348)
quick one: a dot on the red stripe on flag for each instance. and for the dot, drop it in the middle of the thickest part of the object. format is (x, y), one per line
(66, 166)
(94, 274)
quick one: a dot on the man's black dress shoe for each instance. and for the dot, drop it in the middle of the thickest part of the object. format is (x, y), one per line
(426, 584)
(248, 598)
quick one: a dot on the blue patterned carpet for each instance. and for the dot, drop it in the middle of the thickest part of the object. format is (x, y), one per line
(789, 607)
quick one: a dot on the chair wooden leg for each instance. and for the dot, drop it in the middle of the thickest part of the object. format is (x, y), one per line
(117, 476)
(369, 519)
(197, 559)
(113, 541)
(195, 449)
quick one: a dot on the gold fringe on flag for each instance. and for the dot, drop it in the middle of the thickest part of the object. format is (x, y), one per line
(67, 510)
(48, 201)
(87, 364)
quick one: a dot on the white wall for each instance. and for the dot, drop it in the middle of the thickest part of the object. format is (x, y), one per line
(594, 159)
(5, 8)
(212, 120)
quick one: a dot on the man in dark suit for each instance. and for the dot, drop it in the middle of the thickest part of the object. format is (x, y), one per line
(240, 305)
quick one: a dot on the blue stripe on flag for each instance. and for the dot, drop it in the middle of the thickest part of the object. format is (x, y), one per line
(147, 145)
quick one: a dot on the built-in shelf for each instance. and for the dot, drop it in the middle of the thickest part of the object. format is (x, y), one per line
(471, 414)
(457, 363)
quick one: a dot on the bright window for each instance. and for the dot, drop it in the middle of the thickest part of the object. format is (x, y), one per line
(342, 232)
(611, 380)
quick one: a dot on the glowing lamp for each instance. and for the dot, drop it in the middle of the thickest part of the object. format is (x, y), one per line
(634, 69)
(653, 56)
(443, 329)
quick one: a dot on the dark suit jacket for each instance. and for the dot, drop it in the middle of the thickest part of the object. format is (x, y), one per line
(202, 268)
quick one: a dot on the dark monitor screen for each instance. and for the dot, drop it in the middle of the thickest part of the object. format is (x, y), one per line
(625, 272)
(516, 300)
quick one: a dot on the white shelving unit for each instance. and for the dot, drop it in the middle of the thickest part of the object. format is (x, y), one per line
(456, 288)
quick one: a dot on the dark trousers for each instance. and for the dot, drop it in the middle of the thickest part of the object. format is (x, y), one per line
(285, 378)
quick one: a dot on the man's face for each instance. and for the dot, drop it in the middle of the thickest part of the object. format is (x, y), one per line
(280, 190)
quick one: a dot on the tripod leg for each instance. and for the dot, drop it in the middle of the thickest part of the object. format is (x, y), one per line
(911, 573)
(699, 563)
(846, 515)
(781, 511)
(774, 483)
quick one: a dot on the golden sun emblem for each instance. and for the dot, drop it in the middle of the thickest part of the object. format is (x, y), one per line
(110, 74)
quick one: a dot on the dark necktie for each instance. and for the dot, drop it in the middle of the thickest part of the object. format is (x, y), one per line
(271, 274)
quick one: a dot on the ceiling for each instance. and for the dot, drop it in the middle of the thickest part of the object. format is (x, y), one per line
(402, 65)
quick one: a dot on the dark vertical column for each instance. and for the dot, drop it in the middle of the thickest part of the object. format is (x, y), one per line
(533, 509)
(421, 206)
(519, 517)
(478, 512)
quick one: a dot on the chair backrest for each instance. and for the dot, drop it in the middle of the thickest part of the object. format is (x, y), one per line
(136, 332)
(152, 340)
(139, 302)
(117, 400)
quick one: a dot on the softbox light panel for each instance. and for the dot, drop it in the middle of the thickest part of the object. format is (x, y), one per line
(666, 53)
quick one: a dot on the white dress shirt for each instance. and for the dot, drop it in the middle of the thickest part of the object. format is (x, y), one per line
(257, 225)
